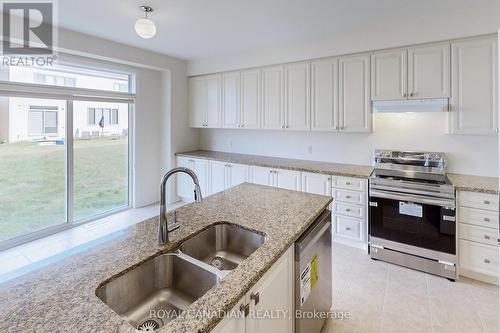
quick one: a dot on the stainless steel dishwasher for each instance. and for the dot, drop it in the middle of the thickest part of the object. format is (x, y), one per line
(313, 275)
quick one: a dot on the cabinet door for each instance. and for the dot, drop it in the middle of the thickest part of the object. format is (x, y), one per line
(273, 97)
(231, 100)
(197, 95)
(325, 95)
(354, 93)
(200, 168)
(250, 98)
(287, 179)
(297, 95)
(474, 92)
(218, 176)
(185, 186)
(214, 101)
(237, 174)
(261, 175)
(235, 322)
(429, 71)
(275, 295)
(389, 75)
(316, 183)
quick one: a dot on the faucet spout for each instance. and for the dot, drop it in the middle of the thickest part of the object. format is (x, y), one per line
(163, 227)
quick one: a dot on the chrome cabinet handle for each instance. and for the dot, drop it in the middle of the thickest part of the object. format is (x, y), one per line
(348, 197)
(348, 183)
(486, 219)
(245, 308)
(412, 94)
(405, 95)
(486, 237)
(255, 298)
(348, 209)
(287, 126)
(486, 202)
(487, 261)
(347, 228)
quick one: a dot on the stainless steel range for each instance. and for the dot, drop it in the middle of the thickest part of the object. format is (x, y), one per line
(412, 212)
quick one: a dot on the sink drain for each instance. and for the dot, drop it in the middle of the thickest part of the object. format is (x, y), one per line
(217, 262)
(149, 325)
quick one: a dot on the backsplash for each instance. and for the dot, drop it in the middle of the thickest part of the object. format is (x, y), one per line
(474, 155)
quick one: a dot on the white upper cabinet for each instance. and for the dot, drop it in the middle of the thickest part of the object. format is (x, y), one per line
(325, 95)
(474, 94)
(205, 101)
(250, 98)
(354, 93)
(429, 71)
(297, 96)
(389, 75)
(231, 100)
(214, 101)
(273, 97)
(197, 99)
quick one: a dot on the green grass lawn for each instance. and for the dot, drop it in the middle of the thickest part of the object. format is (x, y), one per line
(32, 183)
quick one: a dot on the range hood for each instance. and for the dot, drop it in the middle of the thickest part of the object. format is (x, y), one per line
(412, 105)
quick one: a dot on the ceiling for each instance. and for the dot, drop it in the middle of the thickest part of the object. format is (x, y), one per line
(197, 29)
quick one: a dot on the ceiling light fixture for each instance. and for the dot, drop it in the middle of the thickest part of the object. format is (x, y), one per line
(144, 27)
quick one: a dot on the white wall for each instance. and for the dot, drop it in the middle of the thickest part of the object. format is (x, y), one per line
(481, 19)
(161, 101)
(475, 155)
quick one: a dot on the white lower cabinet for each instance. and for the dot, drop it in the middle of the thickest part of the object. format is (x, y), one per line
(272, 294)
(478, 251)
(226, 175)
(185, 185)
(286, 179)
(261, 175)
(349, 211)
(316, 183)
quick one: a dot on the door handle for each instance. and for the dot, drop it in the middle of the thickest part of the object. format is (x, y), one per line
(255, 297)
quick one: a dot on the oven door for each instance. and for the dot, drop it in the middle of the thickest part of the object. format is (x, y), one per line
(419, 221)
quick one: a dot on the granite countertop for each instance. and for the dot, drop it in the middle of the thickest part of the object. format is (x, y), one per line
(474, 183)
(327, 168)
(61, 297)
(461, 182)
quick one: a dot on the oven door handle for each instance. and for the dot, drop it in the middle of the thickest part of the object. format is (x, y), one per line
(413, 198)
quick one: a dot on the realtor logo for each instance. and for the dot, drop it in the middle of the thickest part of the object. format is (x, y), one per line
(28, 27)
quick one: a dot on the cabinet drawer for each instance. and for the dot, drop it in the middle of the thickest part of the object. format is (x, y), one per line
(478, 234)
(348, 209)
(482, 218)
(348, 227)
(349, 196)
(348, 183)
(479, 257)
(478, 200)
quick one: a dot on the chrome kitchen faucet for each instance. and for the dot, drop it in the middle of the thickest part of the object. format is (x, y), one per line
(163, 227)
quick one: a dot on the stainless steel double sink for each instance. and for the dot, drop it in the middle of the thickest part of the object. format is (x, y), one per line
(158, 290)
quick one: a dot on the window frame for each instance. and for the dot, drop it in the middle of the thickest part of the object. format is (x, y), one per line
(71, 94)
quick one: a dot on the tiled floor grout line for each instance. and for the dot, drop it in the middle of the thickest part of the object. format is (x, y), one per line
(383, 300)
(483, 326)
(428, 292)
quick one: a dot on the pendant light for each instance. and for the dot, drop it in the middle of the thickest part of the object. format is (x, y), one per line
(144, 27)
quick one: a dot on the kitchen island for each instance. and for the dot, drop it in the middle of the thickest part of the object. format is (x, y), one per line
(62, 297)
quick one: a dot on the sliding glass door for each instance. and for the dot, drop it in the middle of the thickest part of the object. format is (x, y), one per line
(100, 157)
(64, 152)
(32, 165)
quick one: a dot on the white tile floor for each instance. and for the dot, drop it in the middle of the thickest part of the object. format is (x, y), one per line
(387, 298)
(29, 254)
